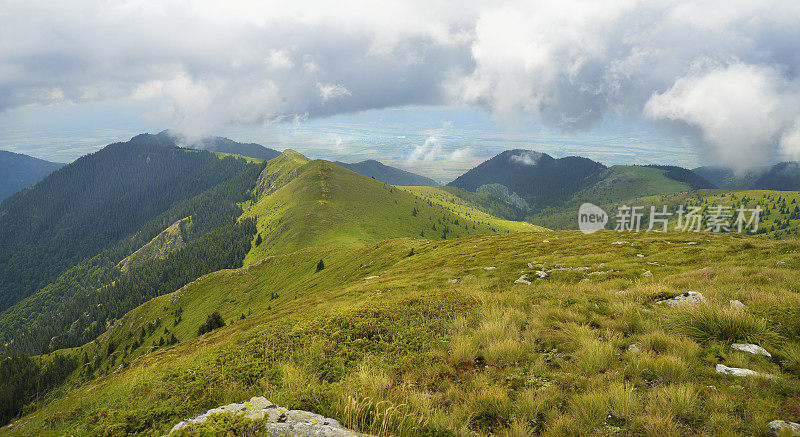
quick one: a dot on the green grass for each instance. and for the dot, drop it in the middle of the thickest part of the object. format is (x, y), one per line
(411, 352)
(246, 158)
(168, 240)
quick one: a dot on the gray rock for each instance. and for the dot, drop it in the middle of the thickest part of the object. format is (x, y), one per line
(634, 347)
(278, 420)
(737, 304)
(522, 280)
(489, 268)
(690, 297)
(541, 273)
(777, 427)
(751, 348)
(737, 371)
(647, 274)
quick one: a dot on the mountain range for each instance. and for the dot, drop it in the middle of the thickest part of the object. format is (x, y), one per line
(154, 279)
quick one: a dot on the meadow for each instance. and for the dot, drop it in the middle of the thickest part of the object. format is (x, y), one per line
(419, 337)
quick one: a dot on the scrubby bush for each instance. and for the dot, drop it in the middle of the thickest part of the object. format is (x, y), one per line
(213, 322)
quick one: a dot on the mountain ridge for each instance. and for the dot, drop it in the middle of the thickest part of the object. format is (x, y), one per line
(388, 174)
(18, 171)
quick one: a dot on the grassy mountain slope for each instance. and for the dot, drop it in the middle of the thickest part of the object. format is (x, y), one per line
(619, 183)
(170, 239)
(388, 174)
(18, 171)
(314, 203)
(50, 313)
(478, 206)
(437, 344)
(780, 217)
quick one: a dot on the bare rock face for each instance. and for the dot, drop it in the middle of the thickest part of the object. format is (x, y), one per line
(278, 420)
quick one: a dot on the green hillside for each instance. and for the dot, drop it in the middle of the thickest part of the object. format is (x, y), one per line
(617, 184)
(318, 203)
(779, 218)
(170, 239)
(438, 343)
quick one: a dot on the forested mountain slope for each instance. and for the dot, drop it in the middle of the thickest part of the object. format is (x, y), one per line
(18, 171)
(93, 203)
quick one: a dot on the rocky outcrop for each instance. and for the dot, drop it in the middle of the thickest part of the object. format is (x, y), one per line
(278, 420)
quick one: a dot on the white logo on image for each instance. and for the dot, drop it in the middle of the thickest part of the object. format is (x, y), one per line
(591, 218)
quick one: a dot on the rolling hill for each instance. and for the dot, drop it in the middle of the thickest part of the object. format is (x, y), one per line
(18, 171)
(293, 203)
(534, 182)
(307, 203)
(388, 174)
(446, 341)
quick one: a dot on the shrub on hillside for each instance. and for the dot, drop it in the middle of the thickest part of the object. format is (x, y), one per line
(213, 322)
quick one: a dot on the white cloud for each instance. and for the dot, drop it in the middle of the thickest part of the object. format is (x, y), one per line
(329, 91)
(527, 158)
(741, 110)
(432, 150)
(567, 63)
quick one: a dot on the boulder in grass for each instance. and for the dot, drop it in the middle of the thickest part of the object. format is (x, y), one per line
(782, 427)
(737, 371)
(751, 348)
(735, 304)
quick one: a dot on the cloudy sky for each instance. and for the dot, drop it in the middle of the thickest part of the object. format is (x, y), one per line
(434, 86)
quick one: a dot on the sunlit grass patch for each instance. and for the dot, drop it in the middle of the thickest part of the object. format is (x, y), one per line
(709, 322)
